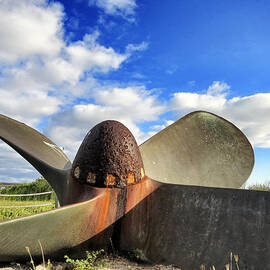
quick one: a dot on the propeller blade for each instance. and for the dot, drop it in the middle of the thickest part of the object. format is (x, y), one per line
(73, 228)
(200, 149)
(58, 230)
(37, 149)
(188, 226)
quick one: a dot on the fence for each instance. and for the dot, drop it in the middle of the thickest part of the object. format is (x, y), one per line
(24, 206)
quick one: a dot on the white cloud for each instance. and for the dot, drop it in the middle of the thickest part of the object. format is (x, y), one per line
(56, 71)
(88, 54)
(28, 28)
(136, 102)
(218, 88)
(130, 106)
(28, 107)
(185, 101)
(124, 8)
(41, 72)
(14, 168)
(249, 113)
(137, 47)
(76, 59)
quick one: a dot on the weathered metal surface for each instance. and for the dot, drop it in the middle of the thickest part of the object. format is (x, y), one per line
(200, 149)
(66, 229)
(58, 230)
(188, 226)
(173, 224)
(108, 156)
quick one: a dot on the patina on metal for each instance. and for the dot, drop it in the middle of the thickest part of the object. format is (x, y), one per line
(109, 198)
(200, 149)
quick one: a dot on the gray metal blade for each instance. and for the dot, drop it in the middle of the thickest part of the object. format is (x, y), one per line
(200, 149)
(60, 230)
(37, 149)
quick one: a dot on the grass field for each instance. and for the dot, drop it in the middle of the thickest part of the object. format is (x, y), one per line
(10, 213)
(38, 186)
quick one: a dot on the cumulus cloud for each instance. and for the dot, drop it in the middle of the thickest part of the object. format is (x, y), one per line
(29, 27)
(214, 98)
(29, 107)
(136, 101)
(13, 168)
(218, 88)
(249, 113)
(130, 106)
(185, 101)
(123, 8)
(42, 72)
(88, 54)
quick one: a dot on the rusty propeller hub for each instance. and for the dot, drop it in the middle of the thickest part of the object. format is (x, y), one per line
(108, 157)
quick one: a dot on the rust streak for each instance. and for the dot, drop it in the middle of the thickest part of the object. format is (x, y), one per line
(136, 193)
(131, 178)
(103, 215)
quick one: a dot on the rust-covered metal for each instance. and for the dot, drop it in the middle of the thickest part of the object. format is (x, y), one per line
(109, 200)
(108, 157)
(74, 228)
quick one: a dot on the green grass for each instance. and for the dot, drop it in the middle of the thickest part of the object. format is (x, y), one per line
(10, 213)
(94, 260)
(38, 186)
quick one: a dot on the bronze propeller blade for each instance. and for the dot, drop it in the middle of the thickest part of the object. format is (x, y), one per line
(200, 149)
(116, 202)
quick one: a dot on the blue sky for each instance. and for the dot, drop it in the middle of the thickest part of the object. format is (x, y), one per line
(67, 65)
